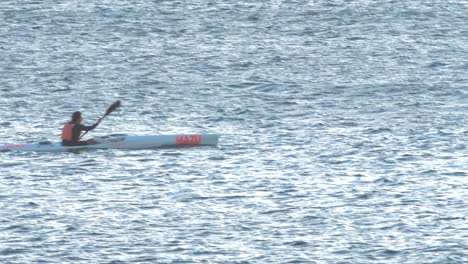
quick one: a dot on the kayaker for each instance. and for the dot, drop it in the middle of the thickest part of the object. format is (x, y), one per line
(71, 131)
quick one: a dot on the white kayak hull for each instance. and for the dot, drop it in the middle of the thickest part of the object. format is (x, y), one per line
(124, 142)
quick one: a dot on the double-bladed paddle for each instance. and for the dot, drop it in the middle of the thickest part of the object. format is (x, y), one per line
(110, 109)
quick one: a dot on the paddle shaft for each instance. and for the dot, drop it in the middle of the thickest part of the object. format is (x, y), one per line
(99, 121)
(111, 109)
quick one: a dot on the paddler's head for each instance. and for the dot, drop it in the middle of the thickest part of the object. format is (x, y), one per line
(77, 117)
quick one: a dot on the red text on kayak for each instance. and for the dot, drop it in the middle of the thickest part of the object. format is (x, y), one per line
(188, 140)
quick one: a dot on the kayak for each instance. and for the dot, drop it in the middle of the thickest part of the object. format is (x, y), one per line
(123, 142)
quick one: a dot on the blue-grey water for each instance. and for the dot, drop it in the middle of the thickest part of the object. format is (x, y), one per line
(343, 130)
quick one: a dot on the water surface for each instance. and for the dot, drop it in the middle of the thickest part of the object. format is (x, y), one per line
(342, 130)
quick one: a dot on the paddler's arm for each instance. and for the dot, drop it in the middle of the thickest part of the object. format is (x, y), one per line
(89, 128)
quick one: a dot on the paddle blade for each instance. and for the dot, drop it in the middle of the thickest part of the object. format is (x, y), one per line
(114, 106)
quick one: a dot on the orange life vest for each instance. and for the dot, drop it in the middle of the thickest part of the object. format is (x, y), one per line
(67, 132)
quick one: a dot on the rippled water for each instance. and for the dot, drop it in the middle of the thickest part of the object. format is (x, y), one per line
(342, 123)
